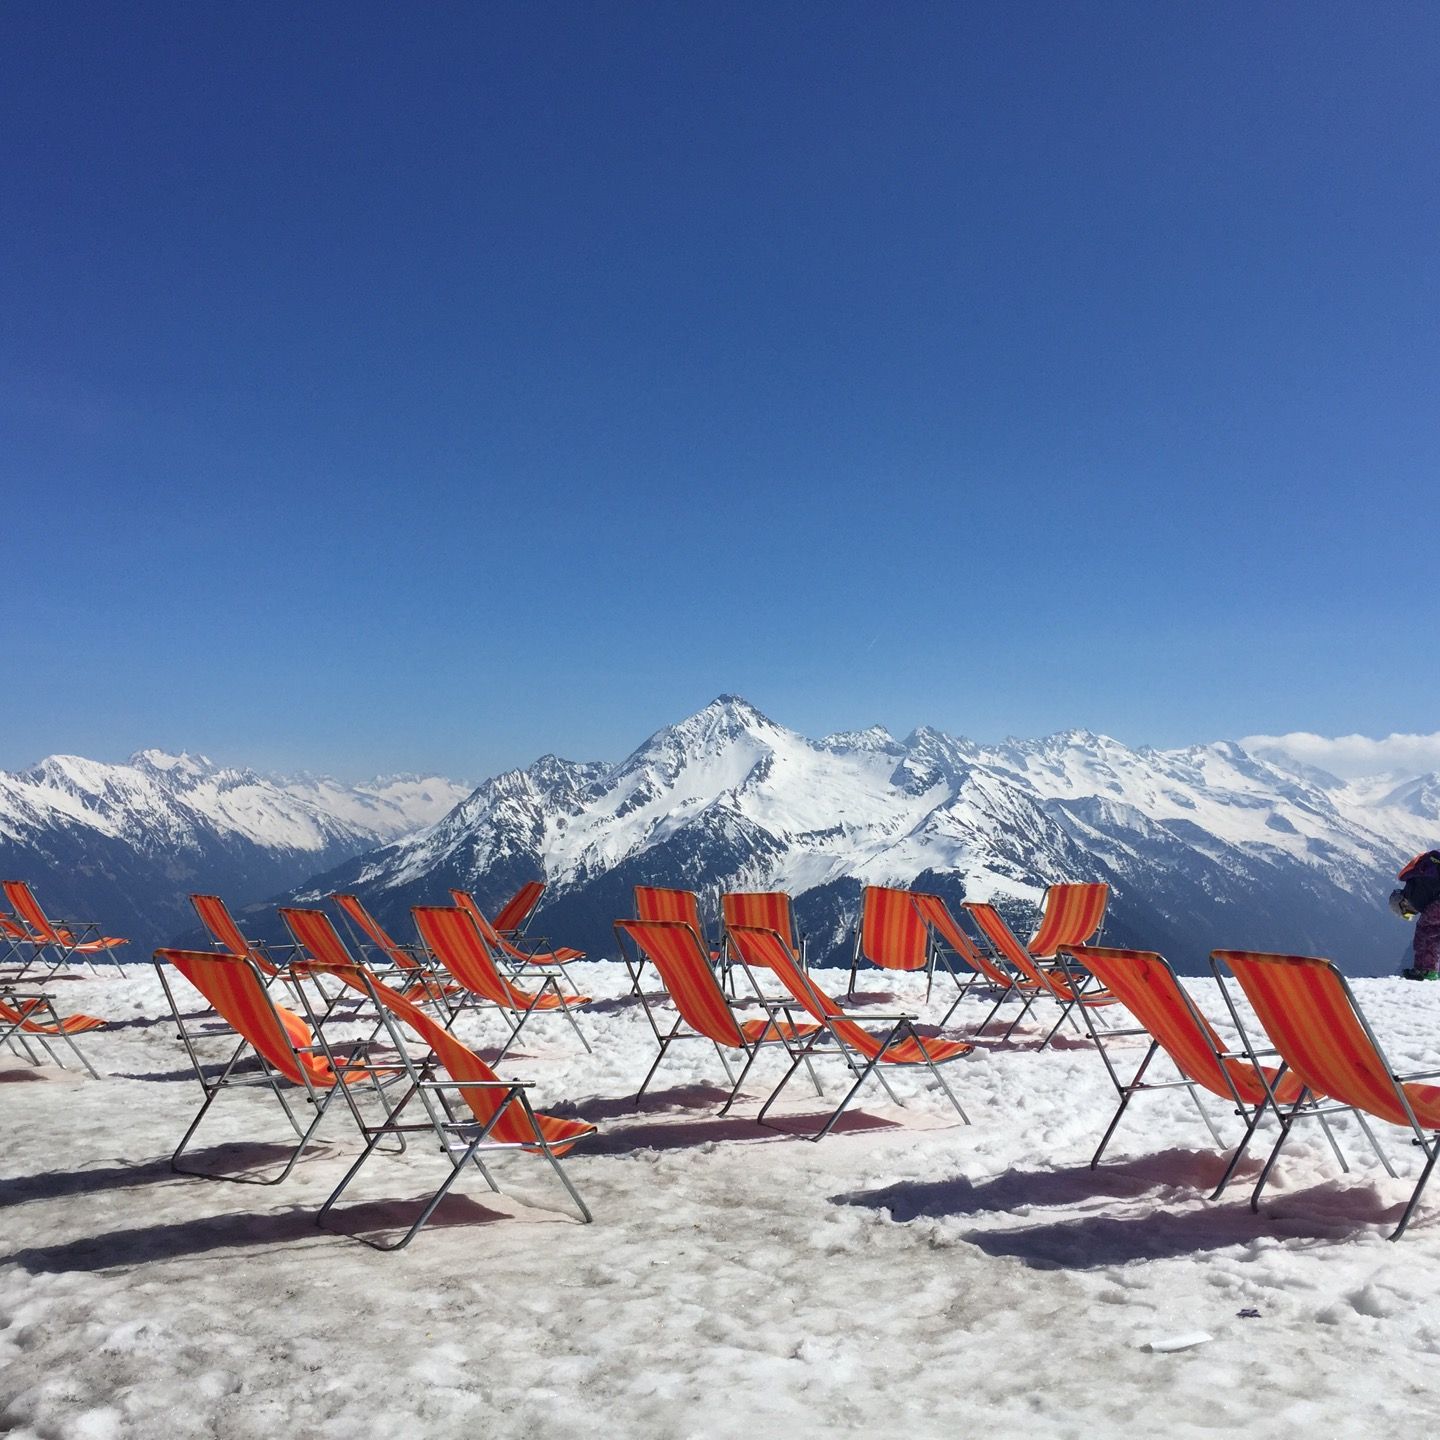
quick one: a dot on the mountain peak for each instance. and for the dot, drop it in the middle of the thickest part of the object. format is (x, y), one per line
(873, 740)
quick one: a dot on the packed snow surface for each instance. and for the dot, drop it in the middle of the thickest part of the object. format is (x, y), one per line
(908, 1274)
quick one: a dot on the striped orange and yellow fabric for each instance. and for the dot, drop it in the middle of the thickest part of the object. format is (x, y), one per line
(936, 914)
(678, 954)
(892, 934)
(18, 1015)
(561, 955)
(655, 902)
(215, 916)
(379, 936)
(1306, 1010)
(235, 992)
(992, 925)
(513, 1127)
(450, 935)
(1073, 916)
(516, 910)
(1147, 987)
(762, 909)
(766, 948)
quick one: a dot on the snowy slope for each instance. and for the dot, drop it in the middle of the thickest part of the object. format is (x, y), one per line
(907, 1274)
(125, 842)
(1203, 846)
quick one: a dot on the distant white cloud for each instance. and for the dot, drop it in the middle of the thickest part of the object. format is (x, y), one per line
(1350, 756)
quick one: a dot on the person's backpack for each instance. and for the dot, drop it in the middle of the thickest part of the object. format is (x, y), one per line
(1422, 885)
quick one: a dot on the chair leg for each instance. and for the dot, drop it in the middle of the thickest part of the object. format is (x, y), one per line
(1433, 1153)
(1251, 1127)
(1286, 1122)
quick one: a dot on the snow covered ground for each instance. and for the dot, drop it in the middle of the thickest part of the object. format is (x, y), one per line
(907, 1273)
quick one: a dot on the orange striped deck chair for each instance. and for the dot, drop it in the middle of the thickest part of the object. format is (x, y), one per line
(1307, 1009)
(512, 917)
(764, 910)
(1073, 915)
(500, 1117)
(373, 937)
(659, 903)
(516, 959)
(62, 941)
(450, 935)
(286, 1045)
(34, 1017)
(215, 916)
(890, 934)
(947, 939)
(702, 1010)
(316, 936)
(865, 1053)
(1176, 1026)
(1068, 989)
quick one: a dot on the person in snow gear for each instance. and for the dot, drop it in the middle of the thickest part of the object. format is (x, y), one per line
(1418, 899)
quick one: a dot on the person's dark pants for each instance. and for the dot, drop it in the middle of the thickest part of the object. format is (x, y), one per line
(1427, 938)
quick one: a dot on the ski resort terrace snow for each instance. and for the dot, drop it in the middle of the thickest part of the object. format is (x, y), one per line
(908, 1273)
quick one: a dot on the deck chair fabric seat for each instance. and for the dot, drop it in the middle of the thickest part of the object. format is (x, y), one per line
(763, 910)
(1073, 915)
(34, 1017)
(495, 938)
(511, 917)
(287, 1046)
(215, 916)
(890, 934)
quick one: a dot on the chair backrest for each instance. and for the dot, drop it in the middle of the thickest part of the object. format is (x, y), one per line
(1073, 916)
(355, 909)
(215, 916)
(761, 909)
(450, 935)
(1147, 987)
(654, 902)
(892, 934)
(936, 914)
(516, 910)
(27, 908)
(683, 961)
(992, 926)
(316, 934)
(1308, 1012)
(236, 991)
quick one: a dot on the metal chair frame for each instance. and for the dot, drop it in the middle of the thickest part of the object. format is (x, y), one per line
(23, 1023)
(320, 1098)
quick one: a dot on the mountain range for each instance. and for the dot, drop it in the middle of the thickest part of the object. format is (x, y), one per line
(124, 844)
(1204, 846)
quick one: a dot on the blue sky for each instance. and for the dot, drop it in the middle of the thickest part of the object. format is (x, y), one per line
(387, 387)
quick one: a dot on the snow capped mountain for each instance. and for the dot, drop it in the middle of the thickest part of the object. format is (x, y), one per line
(126, 842)
(1203, 846)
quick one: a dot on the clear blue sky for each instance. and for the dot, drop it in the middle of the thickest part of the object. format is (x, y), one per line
(429, 387)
